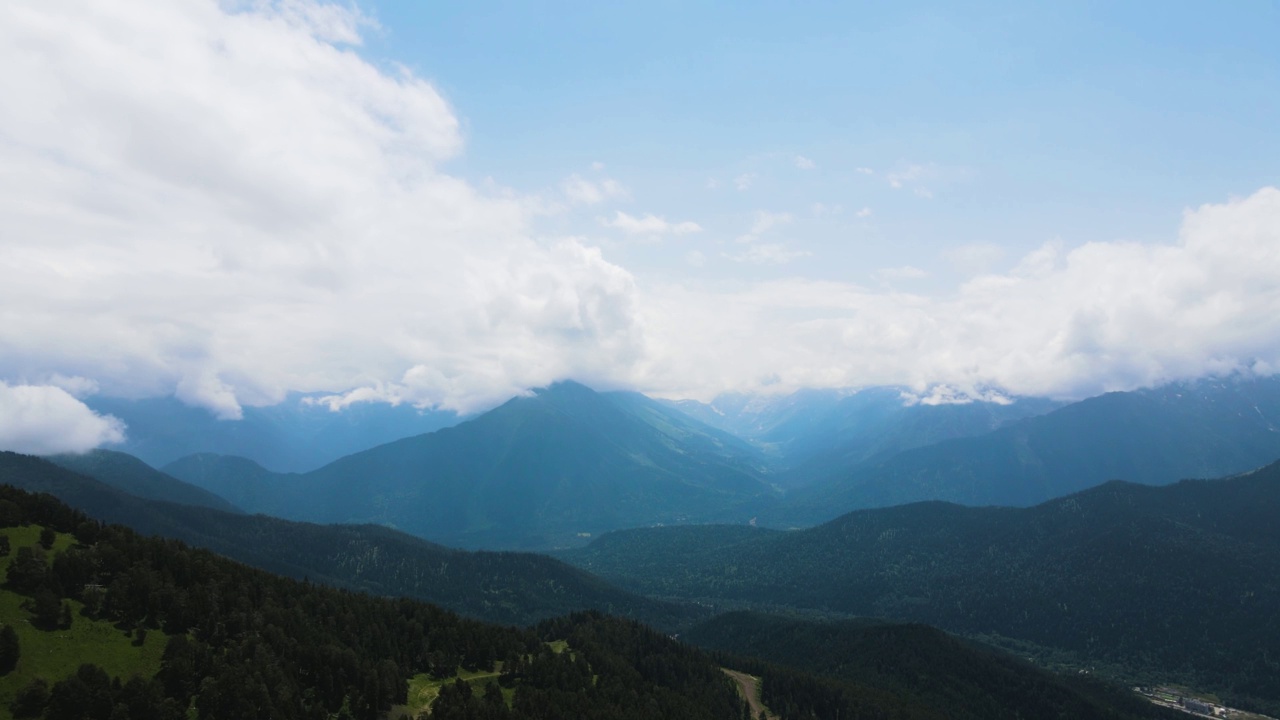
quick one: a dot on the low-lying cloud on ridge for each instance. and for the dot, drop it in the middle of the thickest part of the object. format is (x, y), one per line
(230, 205)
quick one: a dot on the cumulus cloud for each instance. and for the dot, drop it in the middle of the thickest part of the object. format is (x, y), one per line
(650, 225)
(1063, 322)
(228, 204)
(744, 181)
(804, 163)
(44, 419)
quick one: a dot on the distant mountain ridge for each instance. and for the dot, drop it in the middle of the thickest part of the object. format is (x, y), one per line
(547, 470)
(297, 434)
(1207, 428)
(127, 473)
(813, 434)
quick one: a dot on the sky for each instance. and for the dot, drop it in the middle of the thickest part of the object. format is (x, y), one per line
(447, 204)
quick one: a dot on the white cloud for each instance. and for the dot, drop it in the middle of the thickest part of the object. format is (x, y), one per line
(804, 163)
(597, 166)
(744, 181)
(768, 254)
(864, 212)
(764, 222)
(695, 258)
(1064, 322)
(822, 209)
(44, 419)
(650, 225)
(581, 191)
(864, 171)
(228, 206)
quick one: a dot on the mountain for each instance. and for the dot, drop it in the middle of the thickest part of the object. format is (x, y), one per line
(547, 470)
(1176, 583)
(508, 588)
(129, 474)
(100, 623)
(295, 435)
(916, 669)
(813, 434)
(1206, 428)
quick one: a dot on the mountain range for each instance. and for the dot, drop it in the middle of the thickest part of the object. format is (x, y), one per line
(551, 469)
(1148, 580)
(1206, 428)
(566, 463)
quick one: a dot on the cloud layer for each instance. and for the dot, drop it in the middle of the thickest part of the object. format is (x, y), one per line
(42, 420)
(228, 206)
(231, 205)
(1062, 322)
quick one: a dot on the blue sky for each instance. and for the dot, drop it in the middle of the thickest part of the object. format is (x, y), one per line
(446, 204)
(1077, 121)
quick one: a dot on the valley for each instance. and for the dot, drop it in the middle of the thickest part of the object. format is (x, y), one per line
(378, 360)
(1104, 580)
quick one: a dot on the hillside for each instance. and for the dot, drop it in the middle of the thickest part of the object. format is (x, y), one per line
(240, 643)
(923, 671)
(150, 628)
(1174, 583)
(548, 470)
(1208, 428)
(509, 588)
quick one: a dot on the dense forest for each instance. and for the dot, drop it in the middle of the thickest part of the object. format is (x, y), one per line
(869, 669)
(1169, 584)
(242, 643)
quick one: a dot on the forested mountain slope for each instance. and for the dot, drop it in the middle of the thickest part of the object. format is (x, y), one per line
(241, 643)
(923, 671)
(506, 587)
(233, 642)
(1175, 582)
(547, 470)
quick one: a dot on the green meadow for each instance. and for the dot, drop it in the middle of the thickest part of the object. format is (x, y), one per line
(56, 654)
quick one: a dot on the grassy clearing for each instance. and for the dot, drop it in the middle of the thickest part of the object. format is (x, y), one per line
(57, 654)
(424, 689)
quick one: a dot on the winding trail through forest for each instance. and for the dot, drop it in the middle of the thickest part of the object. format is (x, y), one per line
(749, 688)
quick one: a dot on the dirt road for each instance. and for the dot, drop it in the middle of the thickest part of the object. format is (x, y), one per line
(749, 688)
